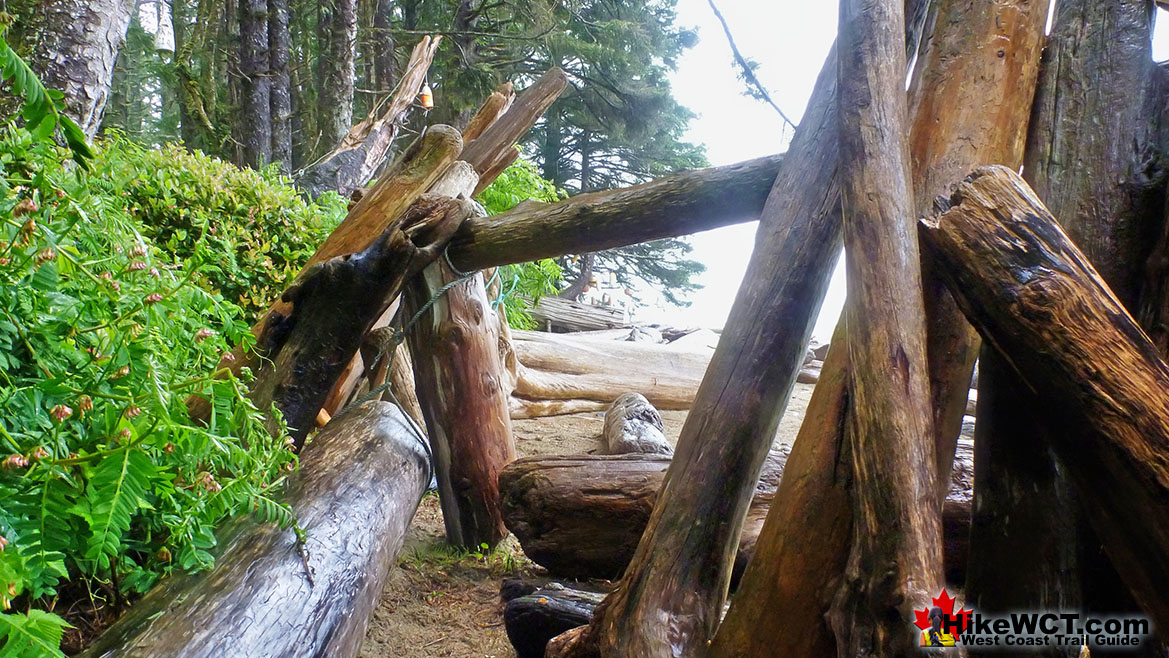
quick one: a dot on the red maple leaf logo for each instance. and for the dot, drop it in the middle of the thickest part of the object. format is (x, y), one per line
(946, 603)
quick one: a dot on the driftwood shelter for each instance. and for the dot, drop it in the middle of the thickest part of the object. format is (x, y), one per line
(1055, 279)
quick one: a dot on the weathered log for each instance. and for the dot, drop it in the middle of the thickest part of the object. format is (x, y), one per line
(1036, 299)
(335, 303)
(1097, 105)
(534, 619)
(581, 516)
(492, 109)
(557, 367)
(672, 206)
(352, 164)
(460, 384)
(496, 141)
(416, 170)
(981, 55)
(632, 425)
(359, 484)
(566, 315)
(895, 563)
(521, 408)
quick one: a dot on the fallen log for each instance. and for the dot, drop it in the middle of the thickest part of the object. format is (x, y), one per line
(632, 425)
(557, 367)
(581, 516)
(558, 314)
(978, 55)
(335, 303)
(359, 484)
(533, 619)
(1034, 296)
(672, 206)
(353, 163)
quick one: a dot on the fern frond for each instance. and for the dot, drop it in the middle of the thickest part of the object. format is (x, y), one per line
(117, 489)
(35, 635)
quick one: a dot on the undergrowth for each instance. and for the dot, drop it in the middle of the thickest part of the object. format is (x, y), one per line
(105, 483)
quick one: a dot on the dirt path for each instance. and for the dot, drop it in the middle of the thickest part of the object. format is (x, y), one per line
(441, 602)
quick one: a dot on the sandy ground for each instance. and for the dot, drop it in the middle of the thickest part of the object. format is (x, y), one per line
(442, 602)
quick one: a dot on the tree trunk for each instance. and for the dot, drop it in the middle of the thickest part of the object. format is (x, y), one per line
(352, 164)
(280, 99)
(895, 564)
(459, 383)
(959, 73)
(1095, 106)
(256, 84)
(385, 70)
(337, 75)
(336, 302)
(358, 487)
(1043, 307)
(671, 206)
(76, 53)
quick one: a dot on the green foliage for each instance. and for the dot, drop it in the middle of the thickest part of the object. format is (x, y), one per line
(105, 482)
(260, 230)
(524, 283)
(43, 108)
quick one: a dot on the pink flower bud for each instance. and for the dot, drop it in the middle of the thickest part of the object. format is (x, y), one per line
(137, 265)
(85, 403)
(60, 413)
(152, 298)
(14, 461)
(203, 334)
(132, 412)
(45, 255)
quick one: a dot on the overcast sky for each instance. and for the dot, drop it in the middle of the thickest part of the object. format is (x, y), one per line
(789, 38)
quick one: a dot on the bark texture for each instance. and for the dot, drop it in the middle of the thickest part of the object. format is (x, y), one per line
(980, 55)
(336, 65)
(77, 51)
(895, 563)
(1036, 299)
(357, 490)
(336, 302)
(255, 117)
(667, 207)
(280, 94)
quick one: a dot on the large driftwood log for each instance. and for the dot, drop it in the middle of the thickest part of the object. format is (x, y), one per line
(1036, 299)
(423, 163)
(360, 482)
(632, 425)
(335, 303)
(581, 516)
(352, 164)
(533, 619)
(558, 314)
(672, 206)
(1097, 106)
(960, 72)
(895, 564)
(559, 367)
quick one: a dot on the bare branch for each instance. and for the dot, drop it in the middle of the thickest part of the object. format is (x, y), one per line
(748, 74)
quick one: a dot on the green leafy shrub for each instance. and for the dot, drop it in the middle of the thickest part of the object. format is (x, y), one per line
(105, 483)
(525, 283)
(259, 230)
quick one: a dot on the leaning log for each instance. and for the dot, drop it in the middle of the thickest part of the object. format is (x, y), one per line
(672, 206)
(358, 487)
(423, 163)
(351, 165)
(959, 73)
(895, 564)
(581, 516)
(335, 303)
(1034, 296)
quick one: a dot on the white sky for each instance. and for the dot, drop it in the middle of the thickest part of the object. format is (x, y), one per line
(789, 38)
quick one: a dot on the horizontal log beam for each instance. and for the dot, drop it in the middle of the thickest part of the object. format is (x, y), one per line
(668, 207)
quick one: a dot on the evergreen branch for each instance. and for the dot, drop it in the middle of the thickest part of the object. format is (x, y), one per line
(748, 74)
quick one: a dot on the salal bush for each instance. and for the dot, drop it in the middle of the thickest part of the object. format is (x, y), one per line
(105, 482)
